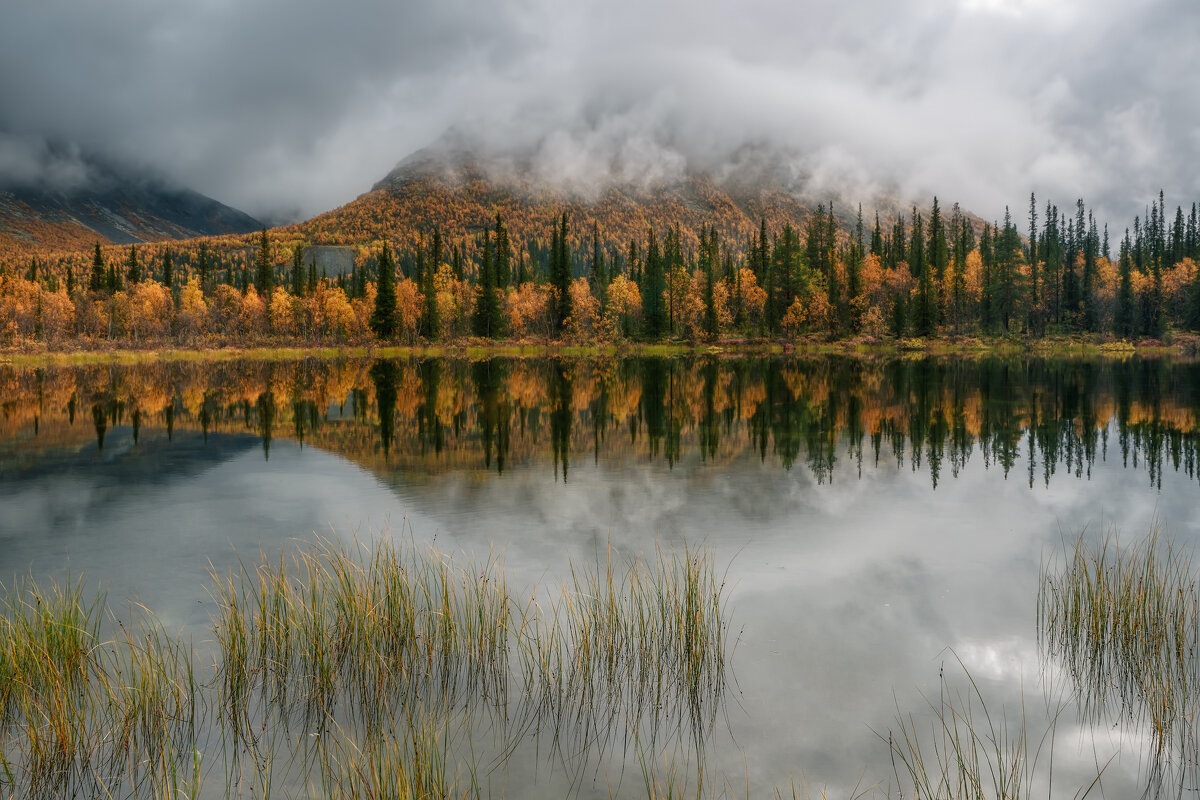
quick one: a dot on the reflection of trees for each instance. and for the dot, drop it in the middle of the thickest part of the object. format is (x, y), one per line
(383, 375)
(493, 411)
(560, 417)
(1040, 417)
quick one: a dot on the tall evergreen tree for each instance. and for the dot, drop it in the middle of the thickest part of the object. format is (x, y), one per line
(504, 255)
(1124, 314)
(133, 272)
(431, 321)
(654, 284)
(168, 270)
(298, 282)
(939, 260)
(112, 282)
(560, 273)
(1035, 301)
(456, 262)
(988, 301)
(264, 272)
(202, 266)
(597, 270)
(709, 253)
(435, 252)
(98, 279)
(487, 318)
(385, 319)
(854, 262)
(924, 307)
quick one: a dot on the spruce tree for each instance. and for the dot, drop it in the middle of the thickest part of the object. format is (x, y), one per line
(560, 274)
(939, 260)
(597, 277)
(504, 255)
(298, 271)
(133, 269)
(854, 263)
(113, 281)
(168, 270)
(384, 319)
(431, 323)
(709, 253)
(202, 266)
(654, 283)
(1124, 314)
(487, 317)
(924, 307)
(99, 277)
(264, 273)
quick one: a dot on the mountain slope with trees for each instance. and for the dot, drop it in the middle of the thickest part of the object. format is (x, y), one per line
(445, 248)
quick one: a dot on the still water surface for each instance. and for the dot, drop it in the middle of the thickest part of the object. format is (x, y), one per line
(880, 519)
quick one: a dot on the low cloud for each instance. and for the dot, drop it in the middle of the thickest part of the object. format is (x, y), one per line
(27, 161)
(291, 108)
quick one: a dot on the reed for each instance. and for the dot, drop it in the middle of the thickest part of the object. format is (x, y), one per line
(379, 669)
(369, 630)
(970, 752)
(1124, 622)
(641, 646)
(84, 715)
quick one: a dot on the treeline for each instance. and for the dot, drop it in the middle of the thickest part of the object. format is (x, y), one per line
(925, 274)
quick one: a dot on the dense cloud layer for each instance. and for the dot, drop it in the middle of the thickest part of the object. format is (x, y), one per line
(289, 107)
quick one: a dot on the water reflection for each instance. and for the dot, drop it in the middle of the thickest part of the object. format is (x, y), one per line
(828, 415)
(872, 512)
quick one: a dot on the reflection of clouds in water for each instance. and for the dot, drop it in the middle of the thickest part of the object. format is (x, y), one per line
(844, 596)
(847, 594)
(155, 541)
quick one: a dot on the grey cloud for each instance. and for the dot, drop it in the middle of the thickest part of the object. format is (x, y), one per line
(285, 107)
(27, 161)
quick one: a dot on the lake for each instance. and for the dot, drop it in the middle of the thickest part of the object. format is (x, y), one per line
(880, 526)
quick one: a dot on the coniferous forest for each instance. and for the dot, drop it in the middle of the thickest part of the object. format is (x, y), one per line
(929, 272)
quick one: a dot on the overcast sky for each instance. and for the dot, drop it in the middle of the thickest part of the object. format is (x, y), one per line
(292, 107)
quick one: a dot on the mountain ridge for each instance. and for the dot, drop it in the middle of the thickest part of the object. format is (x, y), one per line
(456, 191)
(112, 206)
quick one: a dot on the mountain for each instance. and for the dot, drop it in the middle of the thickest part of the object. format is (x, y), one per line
(110, 206)
(460, 192)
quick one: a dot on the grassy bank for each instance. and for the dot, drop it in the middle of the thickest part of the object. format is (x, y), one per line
(1065, 346)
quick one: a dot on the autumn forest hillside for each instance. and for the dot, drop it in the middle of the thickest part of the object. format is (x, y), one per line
(448, 246)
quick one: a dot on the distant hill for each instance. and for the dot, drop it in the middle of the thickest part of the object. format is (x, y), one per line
(111, 207)
(460, 193)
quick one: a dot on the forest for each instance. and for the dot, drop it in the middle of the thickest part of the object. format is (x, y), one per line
(927, 273)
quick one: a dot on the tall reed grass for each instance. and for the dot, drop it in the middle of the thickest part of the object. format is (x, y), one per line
(1124, 622)
(81, 714)
(972, 752)
(357, 671)
(638, 647)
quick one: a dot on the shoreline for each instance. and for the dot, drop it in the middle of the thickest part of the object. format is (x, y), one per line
(474, 349)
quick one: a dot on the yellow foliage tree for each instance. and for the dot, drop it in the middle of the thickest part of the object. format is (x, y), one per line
(252, 315)
(585, 310)
(527, 310)
(150, 310)
(193, 311)
(623, 308)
